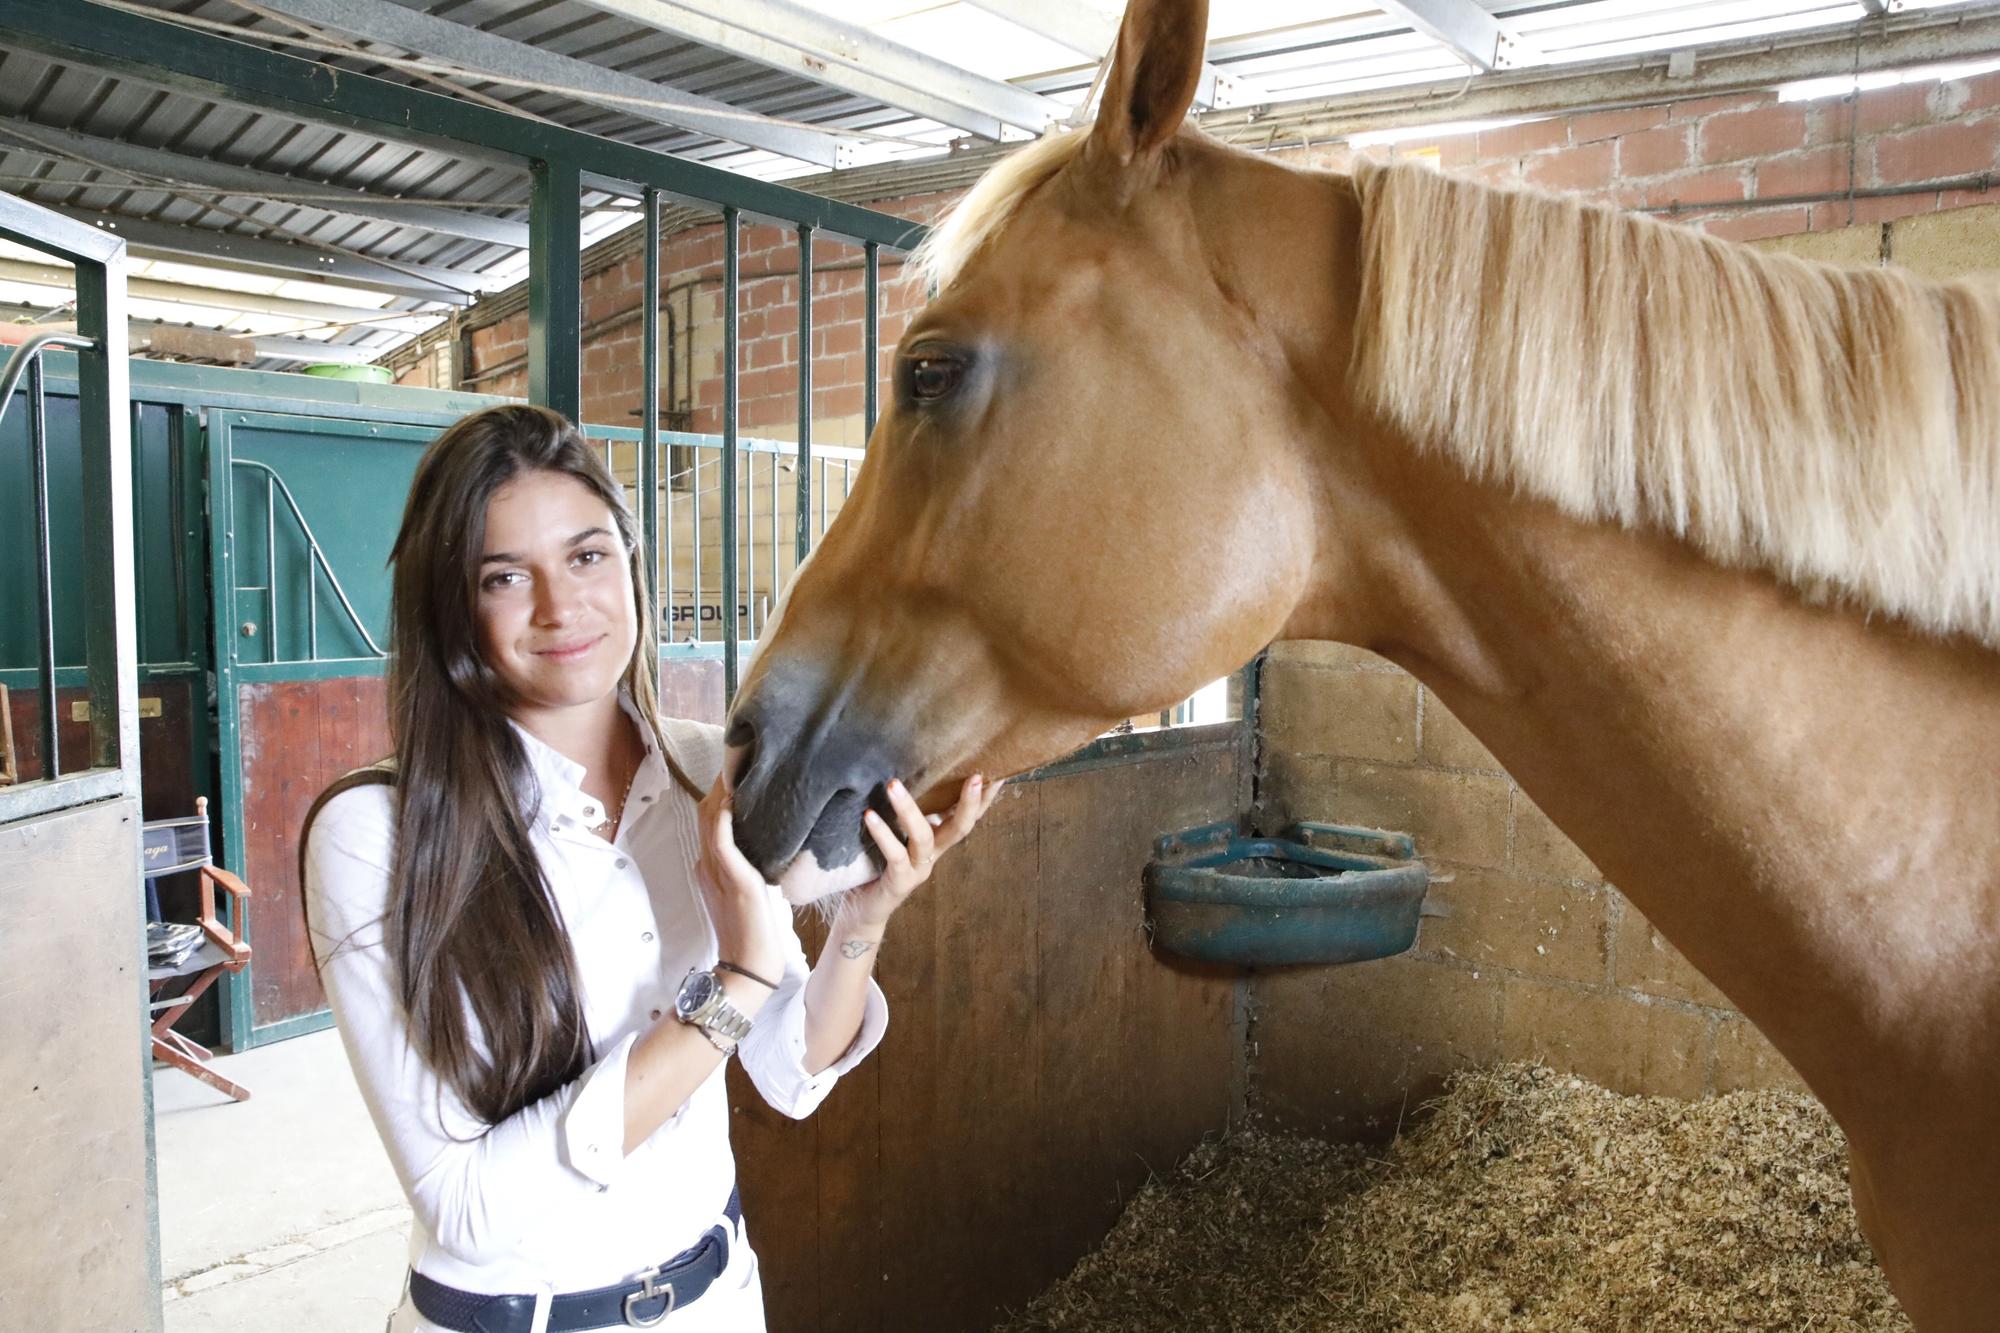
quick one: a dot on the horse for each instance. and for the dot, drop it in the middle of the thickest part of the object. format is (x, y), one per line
(1702, 543)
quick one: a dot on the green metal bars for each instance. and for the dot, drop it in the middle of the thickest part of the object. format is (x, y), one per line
(110, 768)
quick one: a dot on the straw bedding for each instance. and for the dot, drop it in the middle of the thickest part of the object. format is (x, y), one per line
(1525, 1201)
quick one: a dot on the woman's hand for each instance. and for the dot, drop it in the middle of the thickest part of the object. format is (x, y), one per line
(736, 896)
(907, 861)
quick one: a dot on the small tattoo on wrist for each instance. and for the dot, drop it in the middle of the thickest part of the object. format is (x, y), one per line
(855, 948)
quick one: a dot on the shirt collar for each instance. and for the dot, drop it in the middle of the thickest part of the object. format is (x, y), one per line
(555, 791)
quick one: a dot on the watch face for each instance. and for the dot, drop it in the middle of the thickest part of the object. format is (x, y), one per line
(696, 991)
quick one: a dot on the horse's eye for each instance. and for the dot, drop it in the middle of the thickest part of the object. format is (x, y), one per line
(934, 377)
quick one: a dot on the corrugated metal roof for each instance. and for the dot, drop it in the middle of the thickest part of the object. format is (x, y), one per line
(1284, 49)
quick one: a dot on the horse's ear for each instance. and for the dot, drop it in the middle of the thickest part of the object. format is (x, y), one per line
(1154, 73)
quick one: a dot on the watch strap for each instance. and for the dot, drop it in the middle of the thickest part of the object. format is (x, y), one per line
(723, 1019)
(728, 1048)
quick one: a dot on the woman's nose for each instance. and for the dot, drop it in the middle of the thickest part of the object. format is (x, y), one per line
(556, 601)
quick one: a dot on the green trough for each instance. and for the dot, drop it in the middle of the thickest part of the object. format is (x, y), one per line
(1317, 893)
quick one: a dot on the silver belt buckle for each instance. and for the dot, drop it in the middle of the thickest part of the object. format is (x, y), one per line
(649, 1292)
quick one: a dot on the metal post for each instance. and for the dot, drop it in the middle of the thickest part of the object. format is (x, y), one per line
(271, 649)
(38, 443)
(312, 603)
(730, 643)
(696, 589)
(555, 288)
(803, 536)
(649, 417)
(871, 338)
(771, 462)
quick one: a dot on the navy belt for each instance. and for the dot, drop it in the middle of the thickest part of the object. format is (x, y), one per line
(641, 1303)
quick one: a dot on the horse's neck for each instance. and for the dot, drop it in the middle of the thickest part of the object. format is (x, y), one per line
(1807, 806)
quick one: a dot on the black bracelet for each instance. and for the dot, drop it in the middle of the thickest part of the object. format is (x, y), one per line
(746, 972)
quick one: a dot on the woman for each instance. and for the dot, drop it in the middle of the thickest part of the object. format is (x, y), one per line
(539, 949)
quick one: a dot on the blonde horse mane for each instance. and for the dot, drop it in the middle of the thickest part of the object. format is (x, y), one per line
(986, 208)
(1839, 428)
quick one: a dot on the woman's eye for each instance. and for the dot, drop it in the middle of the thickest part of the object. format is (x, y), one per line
(934, 377)
(503, 580)
(590, 557)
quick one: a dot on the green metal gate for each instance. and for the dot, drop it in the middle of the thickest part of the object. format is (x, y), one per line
(302, 515)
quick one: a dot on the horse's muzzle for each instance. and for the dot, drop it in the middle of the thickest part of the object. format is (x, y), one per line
(806, 769)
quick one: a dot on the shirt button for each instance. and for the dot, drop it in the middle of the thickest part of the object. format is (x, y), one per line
(590, 812)
(647, 936)
(656, 1015)
(621, 863)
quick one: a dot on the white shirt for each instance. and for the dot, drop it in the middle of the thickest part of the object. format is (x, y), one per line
(547, 1198)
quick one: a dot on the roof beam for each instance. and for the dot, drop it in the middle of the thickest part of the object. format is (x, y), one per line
(1090, 31)
(1471, 33)
(485, 53)
(1915, 37)
(89, 150)
(216, 298)
(801, 41)
(147, 236)
(129, 46)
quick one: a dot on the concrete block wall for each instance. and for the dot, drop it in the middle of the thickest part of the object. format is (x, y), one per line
(1534, 956)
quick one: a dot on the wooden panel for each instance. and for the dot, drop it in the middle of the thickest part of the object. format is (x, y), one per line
(72, 1076)
(1040, 1060)
(296, 737)
(166, 772)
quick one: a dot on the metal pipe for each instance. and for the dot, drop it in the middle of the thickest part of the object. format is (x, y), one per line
(803, 535)
(1980, 184)
(312, 608)
(772, 464)
(38, 444)
(315, 552)
(731, 258)
(271, 647)
(694, 494)
(25, 354)
(649, 421)
(871, 338)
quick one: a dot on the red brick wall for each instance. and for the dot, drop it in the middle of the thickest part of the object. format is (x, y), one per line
(1752, 146)
(691, 269)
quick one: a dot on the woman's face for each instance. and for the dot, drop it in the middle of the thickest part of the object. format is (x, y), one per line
(556, 617)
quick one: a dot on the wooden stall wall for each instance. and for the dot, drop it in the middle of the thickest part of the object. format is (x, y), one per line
(1040, 1062)
(297, 736)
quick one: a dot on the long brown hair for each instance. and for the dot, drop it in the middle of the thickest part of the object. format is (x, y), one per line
(471, 923)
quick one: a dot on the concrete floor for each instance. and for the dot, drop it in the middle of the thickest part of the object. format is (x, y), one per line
(281, 1212)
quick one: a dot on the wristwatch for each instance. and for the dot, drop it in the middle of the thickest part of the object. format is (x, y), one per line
(702, 1003)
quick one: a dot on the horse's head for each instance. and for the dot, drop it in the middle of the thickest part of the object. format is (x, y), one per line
(1077, 506)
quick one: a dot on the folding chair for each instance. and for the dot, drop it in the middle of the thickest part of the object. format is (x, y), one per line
(172, 846)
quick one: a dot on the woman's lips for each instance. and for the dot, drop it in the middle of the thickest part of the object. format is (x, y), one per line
(569, 652)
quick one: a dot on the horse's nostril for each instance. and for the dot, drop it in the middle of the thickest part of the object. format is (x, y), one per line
(742, 731)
